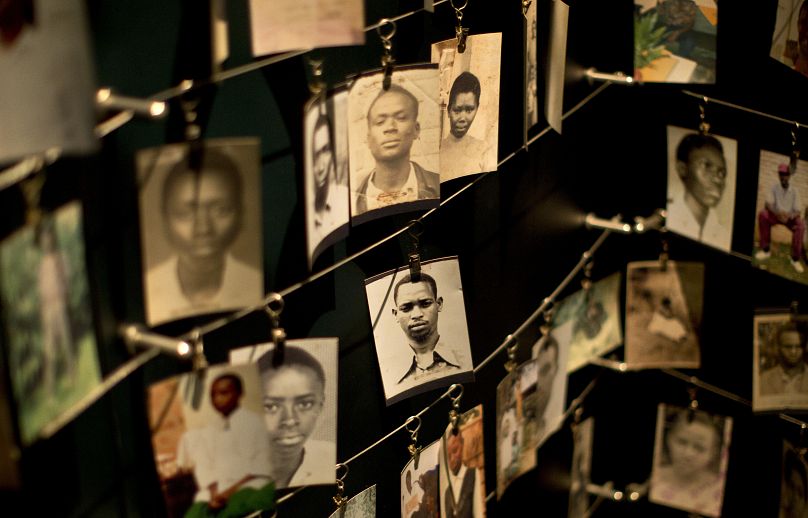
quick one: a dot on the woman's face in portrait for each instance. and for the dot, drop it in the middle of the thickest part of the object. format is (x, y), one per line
(293, 400)
(692, 447)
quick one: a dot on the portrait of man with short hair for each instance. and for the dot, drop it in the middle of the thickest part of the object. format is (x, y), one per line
(462, 462)
(780, 378)
(394, 140)
(200, 228)
(701, 186)
(419, 327)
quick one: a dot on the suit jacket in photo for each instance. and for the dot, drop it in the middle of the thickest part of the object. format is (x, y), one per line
(463, 504)
(428, 187)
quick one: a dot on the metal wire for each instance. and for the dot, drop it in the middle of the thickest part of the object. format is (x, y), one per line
(745, 109)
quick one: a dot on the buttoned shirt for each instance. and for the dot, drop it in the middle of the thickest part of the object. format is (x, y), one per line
(378, 198)
(443, 358)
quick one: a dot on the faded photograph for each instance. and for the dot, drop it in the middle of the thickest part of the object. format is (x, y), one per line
(200, 227)
(595, 316)
(469, 97)
(299, 408)
(325, 182)
(690, 460)
(580, 474)
(790, 37)
(780, 374)
(363, 505)
(531, 67)
(282, 25)
(210, 443)
(462, 463)
(701, 186)
(663, 314)
(45, 293)
(793, 484)
(394, 138)
(419, 327)
(556, 65)
(551, 353)
(47, 88)
(780, 230)
(675, 41)
(420, 496)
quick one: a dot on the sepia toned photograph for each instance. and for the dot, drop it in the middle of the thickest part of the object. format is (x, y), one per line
(779, 380)
(780, 231)
(516, 448)
(325, 149)
(282, 25)
(462, 468)
(47, 88)
(200, 228)
(47, 309)
(363, 505)
(581, 471)
(691, 454)
(420, 496)
(556, 65)
(469, 101)
(210, 442)
(793, 483)
(790, 37)
(551, 353)
(596, 320)
(663, 314)
(701, 186)
(394, 139)
(299, 399)
(675, 41)
(531, 67)
(419, 327)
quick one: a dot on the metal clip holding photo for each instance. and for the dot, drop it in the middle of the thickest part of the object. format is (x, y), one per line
(388, 62)
(461, 33)
(273, 309)
(414, 257)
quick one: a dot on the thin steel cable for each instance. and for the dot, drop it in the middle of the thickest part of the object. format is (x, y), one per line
(744, 108)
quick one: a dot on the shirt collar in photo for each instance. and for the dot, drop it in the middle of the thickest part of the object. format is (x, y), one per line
(409, 191)
(438, 362)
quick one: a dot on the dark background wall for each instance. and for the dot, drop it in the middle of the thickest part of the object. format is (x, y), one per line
(517, 233)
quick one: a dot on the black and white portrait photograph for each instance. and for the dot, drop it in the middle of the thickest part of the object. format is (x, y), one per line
(362, 505)
(551, 352)
(781, 233)
(663, 314)
(210, 442)
(419, 326)
(47, 88)
(581, 470)
(394, 139)
(420, 491)
(47, 309)
(701, 186)
(299, 408)
(462, 468)
(200, 228)
(325, 149)
(691, 454)
(596, 320)
(469, 100)
(531, 67)
(780, 375)
(281, 25)
(790, 36)
(793, 483)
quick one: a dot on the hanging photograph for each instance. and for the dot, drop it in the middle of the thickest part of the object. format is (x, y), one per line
(675, 41)
(595, 316)
(701, 186)
(556, 65)
(663, 314)
(422, 340)
(282, 25)
(469, 102)
(580, 474)
(780, 230)
(420, 497)
(790, 37)
(325, 153)
(394, 140)
(51, 345)
(780, 376)
(47, 84)
(551, 353)
(531, 68)
(691, 453)
(362, 505)
(210, 442)
(793, 483)
(300, 408)
(200, 228)
(516, 449)
(462, 468)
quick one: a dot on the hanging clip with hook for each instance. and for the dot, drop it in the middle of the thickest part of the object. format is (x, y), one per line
(388, 62)
(339, 499)
(704, 126)
(454, 413)
(316, 84)
(510, 365)
(694, 403)
(413, 448)
(461, 33)
(414, 258)
(273, 309)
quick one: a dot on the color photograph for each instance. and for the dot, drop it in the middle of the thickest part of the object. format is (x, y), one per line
(462, 468)
(790, 37)
(420, 496)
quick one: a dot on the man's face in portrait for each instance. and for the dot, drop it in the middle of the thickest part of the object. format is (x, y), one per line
(462, 112)
(454, 452)
(417, 311)
(547, 365)
(225, 395)
(322, 156)
(791, 351)
(293, 400)
(392, 126)
(202, 218)
(704, 175)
